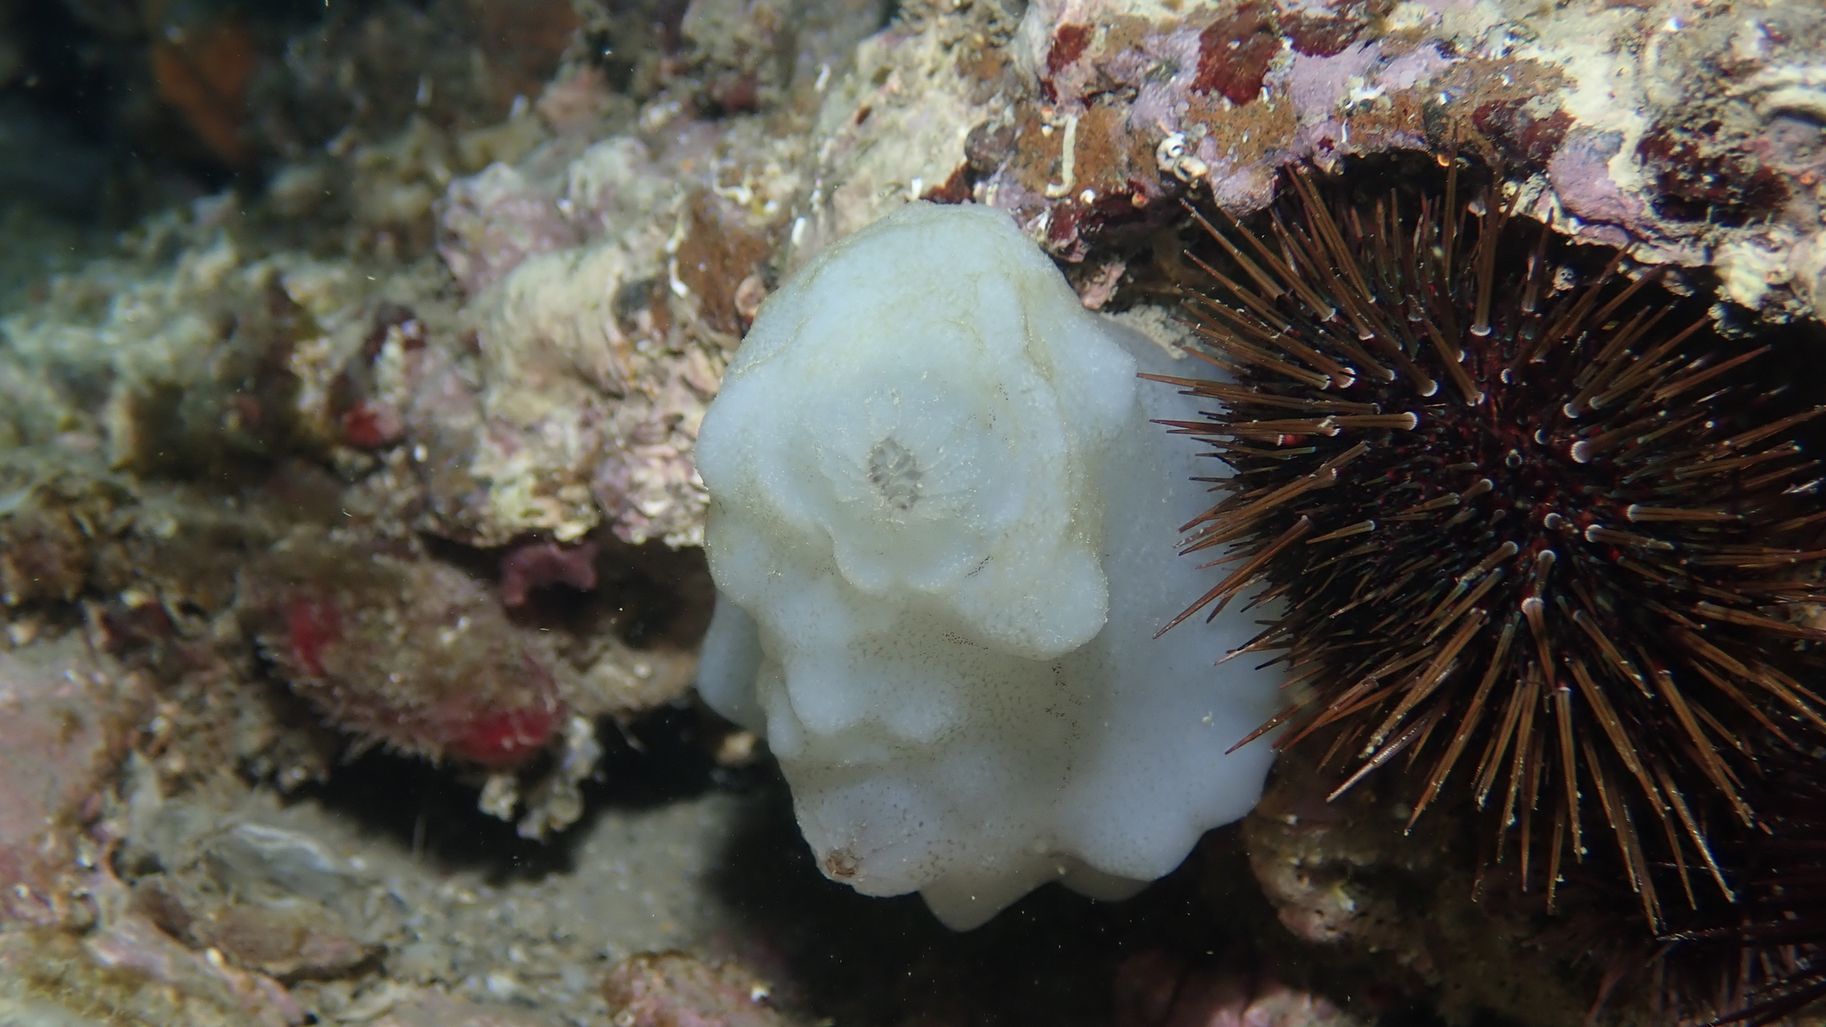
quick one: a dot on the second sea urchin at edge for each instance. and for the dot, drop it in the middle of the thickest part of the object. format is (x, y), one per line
(1535, 526)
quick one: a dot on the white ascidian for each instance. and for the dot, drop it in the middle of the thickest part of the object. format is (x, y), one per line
(943, 532)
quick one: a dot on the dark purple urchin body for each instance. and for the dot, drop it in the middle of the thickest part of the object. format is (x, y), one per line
(1529, 526)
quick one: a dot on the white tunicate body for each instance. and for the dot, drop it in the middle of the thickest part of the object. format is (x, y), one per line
(944, 533)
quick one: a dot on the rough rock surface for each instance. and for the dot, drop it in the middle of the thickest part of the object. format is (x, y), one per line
(66, 717)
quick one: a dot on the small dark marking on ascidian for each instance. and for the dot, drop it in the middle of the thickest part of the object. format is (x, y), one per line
(840, 865)
(895, 473)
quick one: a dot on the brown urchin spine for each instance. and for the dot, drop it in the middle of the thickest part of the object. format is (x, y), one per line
(1767, 952)
(1517, 518)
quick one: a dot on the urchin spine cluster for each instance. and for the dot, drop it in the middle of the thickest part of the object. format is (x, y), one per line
(1527, 526)
(1762, 960)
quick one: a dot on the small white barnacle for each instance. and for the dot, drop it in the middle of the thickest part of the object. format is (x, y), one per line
(1176, 158)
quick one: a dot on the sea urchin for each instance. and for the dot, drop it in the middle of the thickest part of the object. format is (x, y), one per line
(1525, 522)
